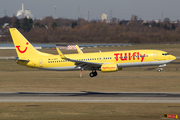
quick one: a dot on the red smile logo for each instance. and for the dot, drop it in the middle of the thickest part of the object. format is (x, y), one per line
(22, 51)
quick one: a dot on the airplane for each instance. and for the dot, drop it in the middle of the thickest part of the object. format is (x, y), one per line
(103, 61)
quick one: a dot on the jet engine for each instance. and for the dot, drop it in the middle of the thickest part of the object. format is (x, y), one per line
(109, 68)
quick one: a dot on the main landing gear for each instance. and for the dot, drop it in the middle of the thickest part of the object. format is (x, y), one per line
(93, 74)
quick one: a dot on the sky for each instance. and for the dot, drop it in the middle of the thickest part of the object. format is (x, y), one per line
(121, 9)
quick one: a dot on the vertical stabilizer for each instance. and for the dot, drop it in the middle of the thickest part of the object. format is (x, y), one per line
(23, 47)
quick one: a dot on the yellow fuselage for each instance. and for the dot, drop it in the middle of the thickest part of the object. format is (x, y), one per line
(129, 58)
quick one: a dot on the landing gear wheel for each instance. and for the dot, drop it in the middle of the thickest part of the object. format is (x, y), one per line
(91, 74)
(95, 73)
(160, 69)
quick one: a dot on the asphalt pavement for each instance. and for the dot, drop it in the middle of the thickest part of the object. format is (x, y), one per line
(91, 97)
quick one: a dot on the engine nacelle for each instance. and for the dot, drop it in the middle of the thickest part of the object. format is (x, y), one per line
(109, 68)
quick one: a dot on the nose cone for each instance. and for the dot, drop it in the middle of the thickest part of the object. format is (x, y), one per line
(172, 57)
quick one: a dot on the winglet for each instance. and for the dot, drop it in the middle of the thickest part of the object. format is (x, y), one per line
(79, 50)
(60, 53)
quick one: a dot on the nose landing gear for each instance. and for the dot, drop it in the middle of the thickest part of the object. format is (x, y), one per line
(160, 67)
(93, 74)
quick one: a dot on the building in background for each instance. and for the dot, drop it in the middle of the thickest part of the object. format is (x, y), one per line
(24, 13)
(104, 18)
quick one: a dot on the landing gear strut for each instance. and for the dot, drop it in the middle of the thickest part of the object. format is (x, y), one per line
(160, 67)
(93, 74)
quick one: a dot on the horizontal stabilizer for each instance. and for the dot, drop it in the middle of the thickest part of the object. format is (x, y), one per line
(23, 60)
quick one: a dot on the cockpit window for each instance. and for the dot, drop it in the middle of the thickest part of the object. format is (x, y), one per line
(165, 54)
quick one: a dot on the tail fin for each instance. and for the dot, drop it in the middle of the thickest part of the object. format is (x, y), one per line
(23, 47)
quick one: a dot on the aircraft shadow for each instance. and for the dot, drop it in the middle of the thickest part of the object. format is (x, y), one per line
(93, 94)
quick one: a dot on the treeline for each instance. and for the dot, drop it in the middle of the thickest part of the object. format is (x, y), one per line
(104, 33)
(60, 30)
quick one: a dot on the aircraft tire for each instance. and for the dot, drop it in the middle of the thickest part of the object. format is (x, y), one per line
(91, 74)
(95, 73)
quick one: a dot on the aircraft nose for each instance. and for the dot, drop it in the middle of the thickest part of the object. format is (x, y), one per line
(173, 57)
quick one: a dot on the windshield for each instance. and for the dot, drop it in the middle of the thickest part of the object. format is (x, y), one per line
(165, 54)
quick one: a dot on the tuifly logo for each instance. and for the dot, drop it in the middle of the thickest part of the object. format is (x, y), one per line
(22, 51)
(129, 56)
(110, 68)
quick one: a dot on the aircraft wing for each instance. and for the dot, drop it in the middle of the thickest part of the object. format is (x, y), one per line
(82, 64)
(86, 65)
